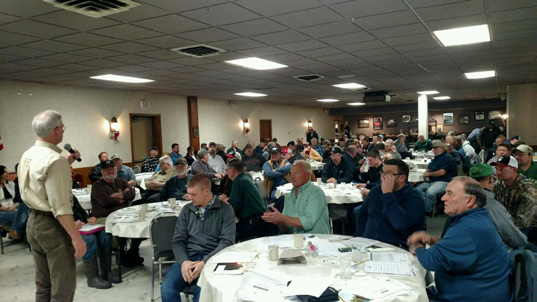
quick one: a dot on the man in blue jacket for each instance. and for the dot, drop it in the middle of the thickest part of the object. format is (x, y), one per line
(470, 261)
(394, 209)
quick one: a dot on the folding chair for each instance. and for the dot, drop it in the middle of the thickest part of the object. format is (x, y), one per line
(161, 229)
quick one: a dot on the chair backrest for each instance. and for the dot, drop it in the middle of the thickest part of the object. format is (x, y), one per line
(259, 184)
(162, 229)
(136, 169)
(523, 275)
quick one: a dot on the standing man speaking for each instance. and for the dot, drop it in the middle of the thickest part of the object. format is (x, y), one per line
(45, 183)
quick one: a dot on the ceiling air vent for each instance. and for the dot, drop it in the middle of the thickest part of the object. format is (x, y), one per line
(94, 8)
(309, 77)
(199, 51)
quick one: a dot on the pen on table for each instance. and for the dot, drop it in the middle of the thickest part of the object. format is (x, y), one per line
(361, 262)
(340, 298)
(259, 287)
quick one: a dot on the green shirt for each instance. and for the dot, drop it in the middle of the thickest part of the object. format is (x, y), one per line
(531, 173)
(245, 198)
(310, 207)
(425, 146)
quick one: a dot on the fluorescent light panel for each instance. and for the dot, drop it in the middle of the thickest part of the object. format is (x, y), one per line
(350, 86)
(464, 35)
(441, 98)
(327, 100)
(480, 74)
(428, 92)
(251, 94)
(356, 104)
(256, 63)
(123, 79)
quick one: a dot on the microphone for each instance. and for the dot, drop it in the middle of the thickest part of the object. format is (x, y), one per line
(70, 150)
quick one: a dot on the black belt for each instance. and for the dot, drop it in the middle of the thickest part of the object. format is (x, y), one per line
(37, 212)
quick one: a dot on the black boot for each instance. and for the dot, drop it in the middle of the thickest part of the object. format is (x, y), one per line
(105, 263)
(131, 258)
(92, 274)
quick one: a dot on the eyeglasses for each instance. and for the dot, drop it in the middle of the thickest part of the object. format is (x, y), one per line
(63, 127)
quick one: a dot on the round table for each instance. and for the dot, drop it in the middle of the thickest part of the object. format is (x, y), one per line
(215, 287)
(421, 163)
(416, 175)
(84, 197)
(341, 194)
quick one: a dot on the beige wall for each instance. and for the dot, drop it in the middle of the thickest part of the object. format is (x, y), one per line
(522, 111)
(86, 112)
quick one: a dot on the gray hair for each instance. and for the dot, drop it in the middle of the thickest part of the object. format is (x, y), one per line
(304, 164)
(472, 187)
(351, 149)
(166, 159)
(45, 122)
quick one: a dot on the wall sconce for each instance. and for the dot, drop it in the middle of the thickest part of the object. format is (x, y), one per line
(309, 124)
(114, 128)
(246, 127)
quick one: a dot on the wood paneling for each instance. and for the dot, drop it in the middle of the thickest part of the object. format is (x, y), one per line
(193, 122)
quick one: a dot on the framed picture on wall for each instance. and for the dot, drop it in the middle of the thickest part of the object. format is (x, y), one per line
(448, 118)
(406, 118)
(377, 123)
(494, 114)
(464, 119)
(391, 123)
(363, 123)
(415, 119)
(479, 115)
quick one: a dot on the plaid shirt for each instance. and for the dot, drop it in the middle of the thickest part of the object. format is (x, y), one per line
(149, 164)
(207, 207)
(520, 200)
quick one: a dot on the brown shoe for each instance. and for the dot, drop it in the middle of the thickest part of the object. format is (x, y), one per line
(13, 235)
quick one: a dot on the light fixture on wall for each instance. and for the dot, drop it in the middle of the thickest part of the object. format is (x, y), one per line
(114, 128)
(246, 127)
(309, 124)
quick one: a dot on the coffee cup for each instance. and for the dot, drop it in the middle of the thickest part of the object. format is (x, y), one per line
(273, 252)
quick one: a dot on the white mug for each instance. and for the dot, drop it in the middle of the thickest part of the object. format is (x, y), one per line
(141, 214)
(319, 181)
(171, 201)
(144, 207)
(299, 241)
(273, 252)
(88, 188)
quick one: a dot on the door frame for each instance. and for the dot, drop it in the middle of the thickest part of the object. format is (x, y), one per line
(158, 130)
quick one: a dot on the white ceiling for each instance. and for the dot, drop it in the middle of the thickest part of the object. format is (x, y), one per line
(384, 44)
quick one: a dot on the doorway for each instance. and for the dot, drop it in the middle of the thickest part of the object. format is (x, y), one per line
(146, 131)
(265, 130)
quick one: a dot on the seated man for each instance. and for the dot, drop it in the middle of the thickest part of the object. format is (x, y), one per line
(276, 172)
(124, 172)
(259, 149)
(501, 150)
(253, 161)
(247, 204)
(158, 179)
(422, 145)
(393, 210)
(175, 187)
(295, 155)
(400, 145)
(439, 173)
(370, 170)
(469, 150)
(337, 170)
(201, 166)
(235, 147)
(310, 153)
(204, 227)
(517, 194)
(306, 208)
(526, 166)
(96, 174)
(470, 261)
(109, 194)
(511, 236)
(317, 147)
(175, 152)
(150, 162)
(190, 156)
(216, 161)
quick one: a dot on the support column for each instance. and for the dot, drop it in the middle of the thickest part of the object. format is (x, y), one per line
(193, 124)
(423, 116)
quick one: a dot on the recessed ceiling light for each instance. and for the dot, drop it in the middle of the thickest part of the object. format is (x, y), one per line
(464, 35)
(441, 98)
(350, 86)
(251, 94)
(480, 74)
(356, 104)
(256, 63)
(428, 92)
(328, 100)
(123, 79)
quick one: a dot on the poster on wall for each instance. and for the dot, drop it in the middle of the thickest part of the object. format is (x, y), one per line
(377, 123)
(391, 123)
(464, 119)
(448, 118)
(494, 114)
(479, 115)
(363, 123)
(406, 118)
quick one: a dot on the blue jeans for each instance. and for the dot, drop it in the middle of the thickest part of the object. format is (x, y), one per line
(20, 218)
(7, 217)
(174, 284)
(430, 191)
(94, 241)
(356, 213)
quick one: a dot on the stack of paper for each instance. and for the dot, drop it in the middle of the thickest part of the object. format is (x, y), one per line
(389, 263)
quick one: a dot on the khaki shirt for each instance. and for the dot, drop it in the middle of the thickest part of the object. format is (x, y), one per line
(161, 177)
(520, 200)
(45, 179)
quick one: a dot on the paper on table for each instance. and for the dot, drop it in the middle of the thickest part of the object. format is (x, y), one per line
(308, 286)
(360, 242)
(393, 268)
(285, 241)
(388, 257)
(327, 248)
(230, 256)
(257, 287)
(375, 287)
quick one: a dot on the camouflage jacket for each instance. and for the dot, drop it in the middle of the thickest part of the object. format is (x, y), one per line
(520, 200)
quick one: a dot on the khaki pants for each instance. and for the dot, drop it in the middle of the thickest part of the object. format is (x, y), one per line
(53, 252)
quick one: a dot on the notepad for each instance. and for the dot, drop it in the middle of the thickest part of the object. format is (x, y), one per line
(228, 268)
(88, 229)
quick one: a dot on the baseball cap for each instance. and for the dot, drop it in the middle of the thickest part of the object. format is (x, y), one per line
(337, 149)
(525, 148)
(230, 154)
(116, 156)
(212, 144)
(107, 163)
(275, 149)
(439, 143)
(202, 152)
(515, 137)
(480, 170)
(291, 143)
(491, 122)
(506, 161)
(181, 161)
(287, 150)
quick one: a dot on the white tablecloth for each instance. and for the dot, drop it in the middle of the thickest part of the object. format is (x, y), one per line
(84, 198)
(341, 194)
(141, 178)
(222, 288)
(127, 224)
(417, 163)
(316, 165)
(416, 175)
(429, 154)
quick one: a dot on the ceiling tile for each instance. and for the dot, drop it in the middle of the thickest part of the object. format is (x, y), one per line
(314, 16)
(36, 29)
(208, 35)
(387, 20)
(254, 27)
(126, 32)
(282, 37)
(330, 29)
(276, 7)
(363, 8)
(402, 30)
(170, 24)
(457, 9)
(514, 15)
(221, 14)
(16, 39)
(72, 20)
(348, 38)
(302, 45)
